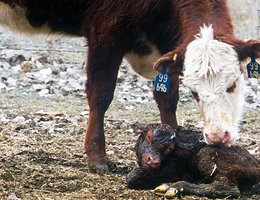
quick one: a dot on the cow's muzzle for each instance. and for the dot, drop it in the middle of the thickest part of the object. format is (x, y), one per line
(221, 138)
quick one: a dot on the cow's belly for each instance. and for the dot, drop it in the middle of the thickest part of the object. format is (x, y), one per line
(15, 19)
(143, 64)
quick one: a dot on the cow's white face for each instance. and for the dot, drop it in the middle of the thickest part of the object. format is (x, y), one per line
(213, 73)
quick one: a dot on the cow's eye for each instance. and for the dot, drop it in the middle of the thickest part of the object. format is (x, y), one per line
(196, 96)
(232, 88)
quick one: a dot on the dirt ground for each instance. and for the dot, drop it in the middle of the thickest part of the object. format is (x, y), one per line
(42, 153)
(43, 120)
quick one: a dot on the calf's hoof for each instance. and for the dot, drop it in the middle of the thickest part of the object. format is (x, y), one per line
(166, 191)
(161, 189)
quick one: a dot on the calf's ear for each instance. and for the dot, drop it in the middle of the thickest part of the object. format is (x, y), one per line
(183, 153)
(140, 128)
(246, 49)
(184, 150)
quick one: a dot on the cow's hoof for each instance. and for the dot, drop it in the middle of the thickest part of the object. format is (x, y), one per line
(98, 164)
(99, 169)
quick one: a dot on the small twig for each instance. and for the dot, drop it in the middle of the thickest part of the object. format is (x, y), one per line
(213, 170)
(228, 197)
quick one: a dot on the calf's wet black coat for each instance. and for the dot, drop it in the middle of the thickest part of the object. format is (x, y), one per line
(191, 166)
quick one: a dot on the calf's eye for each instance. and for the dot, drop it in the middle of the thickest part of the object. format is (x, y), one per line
(169, 149)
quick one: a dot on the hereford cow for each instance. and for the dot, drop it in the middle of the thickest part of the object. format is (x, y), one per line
(199, 31)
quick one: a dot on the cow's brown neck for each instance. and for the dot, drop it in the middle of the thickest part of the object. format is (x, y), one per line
(193, 14)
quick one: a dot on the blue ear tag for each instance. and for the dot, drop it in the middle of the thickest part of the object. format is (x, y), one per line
(162, 82)
(253, 69)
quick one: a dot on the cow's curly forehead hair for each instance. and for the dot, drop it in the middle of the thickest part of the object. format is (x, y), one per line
(210, 66)
(206, 56)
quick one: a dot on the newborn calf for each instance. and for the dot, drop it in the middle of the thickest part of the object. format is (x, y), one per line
(165, 154)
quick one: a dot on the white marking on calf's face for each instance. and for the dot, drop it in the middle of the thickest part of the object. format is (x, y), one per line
(15, 19)
(212, 72)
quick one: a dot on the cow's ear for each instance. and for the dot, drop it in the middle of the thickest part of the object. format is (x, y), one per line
(247, 49)
(171, 60)
(165, 59)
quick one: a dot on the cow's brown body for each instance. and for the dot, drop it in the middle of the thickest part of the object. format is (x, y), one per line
(117, 28)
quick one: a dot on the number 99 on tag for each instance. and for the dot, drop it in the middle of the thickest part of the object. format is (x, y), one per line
(162, 82)
(163, 78)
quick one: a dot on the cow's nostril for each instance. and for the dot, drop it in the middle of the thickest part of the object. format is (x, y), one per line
(226, 137)
(207, 138)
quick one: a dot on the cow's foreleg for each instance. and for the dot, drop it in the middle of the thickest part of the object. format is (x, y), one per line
(102, 69)
(167, 103)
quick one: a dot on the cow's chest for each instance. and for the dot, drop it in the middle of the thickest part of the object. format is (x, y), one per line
(15, 19)
(143, 63)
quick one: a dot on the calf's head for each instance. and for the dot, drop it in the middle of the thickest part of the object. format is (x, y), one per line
(154, 144)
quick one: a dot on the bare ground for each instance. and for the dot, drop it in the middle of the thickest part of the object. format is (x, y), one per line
(40, 163)
(41, 142)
